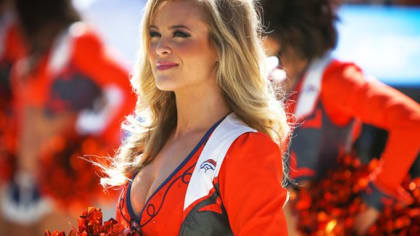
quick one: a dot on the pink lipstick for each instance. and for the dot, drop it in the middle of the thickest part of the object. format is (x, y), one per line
(166, 65)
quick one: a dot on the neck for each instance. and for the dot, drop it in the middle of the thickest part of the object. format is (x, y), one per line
(198, 109)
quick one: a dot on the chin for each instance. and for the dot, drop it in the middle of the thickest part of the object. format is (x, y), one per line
(165, 84)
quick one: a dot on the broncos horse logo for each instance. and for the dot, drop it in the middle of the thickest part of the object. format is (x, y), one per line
(209, 164)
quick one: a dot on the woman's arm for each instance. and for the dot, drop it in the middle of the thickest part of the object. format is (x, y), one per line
(347, 94)
(37, 129)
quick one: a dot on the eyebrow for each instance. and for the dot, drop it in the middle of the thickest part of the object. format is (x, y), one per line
(173, 27)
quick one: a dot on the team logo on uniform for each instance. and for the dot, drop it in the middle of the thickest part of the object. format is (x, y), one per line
(208, 165)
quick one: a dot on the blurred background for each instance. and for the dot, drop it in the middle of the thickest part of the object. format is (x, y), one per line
(381, 36)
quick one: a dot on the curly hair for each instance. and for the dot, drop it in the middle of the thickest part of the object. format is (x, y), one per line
(35, 15)
(308, 26)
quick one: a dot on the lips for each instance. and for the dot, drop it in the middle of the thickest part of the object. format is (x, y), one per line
(166, 65)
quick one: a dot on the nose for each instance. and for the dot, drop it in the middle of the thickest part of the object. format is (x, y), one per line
(162, 48)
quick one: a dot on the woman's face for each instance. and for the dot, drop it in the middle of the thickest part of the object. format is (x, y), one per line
(180, 52)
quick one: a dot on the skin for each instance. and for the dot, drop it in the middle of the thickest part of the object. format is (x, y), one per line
(199, 100)
(365, 219)
(37, 124)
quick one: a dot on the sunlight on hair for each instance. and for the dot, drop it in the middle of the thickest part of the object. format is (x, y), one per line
(118, 178)
(271, 63)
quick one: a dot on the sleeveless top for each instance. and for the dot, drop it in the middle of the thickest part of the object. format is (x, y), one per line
(176, 208)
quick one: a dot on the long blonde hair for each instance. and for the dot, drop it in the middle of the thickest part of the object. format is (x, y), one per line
(234, 28)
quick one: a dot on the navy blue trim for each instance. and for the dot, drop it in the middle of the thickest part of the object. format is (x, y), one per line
(130, 209)
(197, 146)
(374, 197)
(156, 210)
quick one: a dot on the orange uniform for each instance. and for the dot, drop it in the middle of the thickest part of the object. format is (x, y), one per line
(11, 50)
(70, 103)
(78, 75)
(246, 198)
(337, 96)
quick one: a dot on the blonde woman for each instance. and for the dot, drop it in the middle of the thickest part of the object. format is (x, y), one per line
(206, 157)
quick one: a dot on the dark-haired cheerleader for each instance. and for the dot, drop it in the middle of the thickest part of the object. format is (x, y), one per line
(328, 97)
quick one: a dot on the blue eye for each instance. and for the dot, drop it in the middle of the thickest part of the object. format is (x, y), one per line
(153, 34)
(181, 34)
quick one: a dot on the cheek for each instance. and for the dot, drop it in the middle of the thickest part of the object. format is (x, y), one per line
(151, 52)
(189, 50)
(197, 55)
